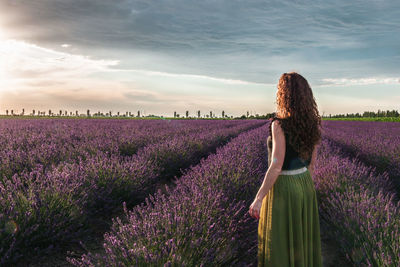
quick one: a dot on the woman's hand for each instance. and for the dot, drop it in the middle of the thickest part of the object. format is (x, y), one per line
(255, 208)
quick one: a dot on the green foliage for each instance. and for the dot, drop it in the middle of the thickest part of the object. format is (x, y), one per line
(392, 119)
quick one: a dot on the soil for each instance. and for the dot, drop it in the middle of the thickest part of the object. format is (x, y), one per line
(331, 254)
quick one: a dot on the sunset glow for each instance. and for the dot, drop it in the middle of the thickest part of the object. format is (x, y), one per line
(3, 54)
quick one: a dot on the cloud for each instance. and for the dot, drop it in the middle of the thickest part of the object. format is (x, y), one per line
(34, 75)
(253, 41)
(334, 103)
(44, 83)
(191, 76)
(143, 96)
(25, 61)
(359, 81)
(22, 61)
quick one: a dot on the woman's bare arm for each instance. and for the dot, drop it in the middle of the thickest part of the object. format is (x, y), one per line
(278, 156)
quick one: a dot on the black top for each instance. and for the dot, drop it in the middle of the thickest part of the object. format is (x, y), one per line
(292, 160)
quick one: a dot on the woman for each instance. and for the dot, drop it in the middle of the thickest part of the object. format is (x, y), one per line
(286, 203)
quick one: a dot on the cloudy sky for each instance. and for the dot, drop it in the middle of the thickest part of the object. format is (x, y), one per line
(212, 55)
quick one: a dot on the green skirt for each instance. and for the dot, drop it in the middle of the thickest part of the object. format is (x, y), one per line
(288, 228)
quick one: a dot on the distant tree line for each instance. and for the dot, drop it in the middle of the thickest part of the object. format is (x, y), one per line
(223, 115)
(198, 115)
(75, 113)
(369, 114)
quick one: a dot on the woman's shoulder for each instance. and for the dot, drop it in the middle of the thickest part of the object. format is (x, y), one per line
(270, 123)
(274, 118)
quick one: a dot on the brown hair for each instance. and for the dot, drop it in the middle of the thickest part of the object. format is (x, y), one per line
(298, 113)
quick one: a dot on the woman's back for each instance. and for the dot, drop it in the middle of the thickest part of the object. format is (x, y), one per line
(292, 159)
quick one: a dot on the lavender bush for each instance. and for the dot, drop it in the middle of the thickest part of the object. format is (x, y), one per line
(359, 205)
(27, 142)
(375, 143)
(50, 206)
(203, 221)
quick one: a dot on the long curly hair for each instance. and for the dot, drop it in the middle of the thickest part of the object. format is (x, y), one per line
(298, 113)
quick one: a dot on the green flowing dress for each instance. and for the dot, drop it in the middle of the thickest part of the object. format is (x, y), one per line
(288, 229)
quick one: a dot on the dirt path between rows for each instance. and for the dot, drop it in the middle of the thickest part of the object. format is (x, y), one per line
(331, 254)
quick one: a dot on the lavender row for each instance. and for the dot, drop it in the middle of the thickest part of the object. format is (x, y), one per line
(203, 221)
(376, 143)
(359, 205)
(42, 208)
(24, 143)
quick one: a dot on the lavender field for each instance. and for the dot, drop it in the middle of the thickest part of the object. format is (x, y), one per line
(60, 177)
(375, 143)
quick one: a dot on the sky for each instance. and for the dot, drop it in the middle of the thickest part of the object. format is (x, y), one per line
(158, 57)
